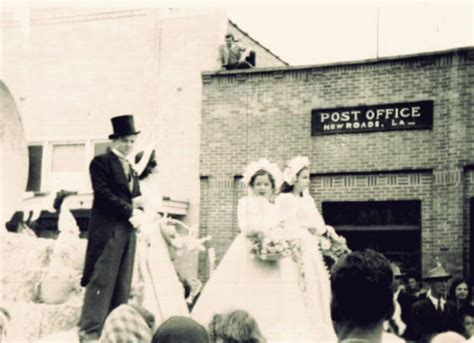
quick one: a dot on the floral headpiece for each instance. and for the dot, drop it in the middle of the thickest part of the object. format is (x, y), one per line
(262, 164)
(293, 168)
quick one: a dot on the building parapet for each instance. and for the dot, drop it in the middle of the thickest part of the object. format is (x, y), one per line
(444, 57)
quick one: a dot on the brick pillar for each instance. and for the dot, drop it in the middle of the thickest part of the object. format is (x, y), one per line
(446, 241)
(448, 185)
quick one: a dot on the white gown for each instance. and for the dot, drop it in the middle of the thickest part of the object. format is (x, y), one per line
(162, 292)
(269, 291)
(297, 214)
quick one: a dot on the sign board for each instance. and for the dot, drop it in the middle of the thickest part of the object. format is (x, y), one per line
(385, 117)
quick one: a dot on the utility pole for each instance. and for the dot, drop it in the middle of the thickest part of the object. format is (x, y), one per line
(377, 43)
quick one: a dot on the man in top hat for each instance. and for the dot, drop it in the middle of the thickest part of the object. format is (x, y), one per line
(429, 314)
(111, 243)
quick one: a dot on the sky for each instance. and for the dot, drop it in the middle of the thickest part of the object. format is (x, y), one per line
(305, 32)
(324, 32)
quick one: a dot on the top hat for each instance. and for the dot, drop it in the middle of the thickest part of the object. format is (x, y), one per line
(123, 126)
(437, 272)
(396, 270)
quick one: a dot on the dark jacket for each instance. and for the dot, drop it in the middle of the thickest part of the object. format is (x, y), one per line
(455, 316)
(427, 321)
(112, 206)
(406, 301)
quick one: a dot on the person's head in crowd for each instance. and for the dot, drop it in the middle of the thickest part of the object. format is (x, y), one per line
(179, 329)
(468, 321)
(397, 277)
(459, 291)
(437, 279)
(448, 337)
(362, 294)
(229, 39)
(236, 326)
(128, 323)
(145, 162)
(412, 284)
(215, 327)
(296, 177)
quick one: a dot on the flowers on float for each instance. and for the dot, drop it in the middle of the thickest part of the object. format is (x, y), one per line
(262, 164)
(294, 166)
(332, 245)
(272, 245)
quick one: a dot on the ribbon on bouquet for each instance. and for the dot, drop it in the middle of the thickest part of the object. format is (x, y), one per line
(182, 243)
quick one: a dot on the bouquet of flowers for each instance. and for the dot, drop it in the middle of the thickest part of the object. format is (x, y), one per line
(332, 246)
(272, 245)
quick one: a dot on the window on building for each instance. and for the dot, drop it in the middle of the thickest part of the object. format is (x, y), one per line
(390, 227)
(101, 147)
(68, 158)
(68, 167)
(35, 156)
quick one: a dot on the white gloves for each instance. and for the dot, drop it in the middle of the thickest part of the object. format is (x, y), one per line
(139, 202)
(137, 218)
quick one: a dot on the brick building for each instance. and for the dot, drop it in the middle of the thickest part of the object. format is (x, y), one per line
(403, 185)
(70, 69)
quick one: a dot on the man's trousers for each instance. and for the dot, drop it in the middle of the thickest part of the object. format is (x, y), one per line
(111, 281)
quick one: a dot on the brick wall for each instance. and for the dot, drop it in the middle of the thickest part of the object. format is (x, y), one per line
(250, 114)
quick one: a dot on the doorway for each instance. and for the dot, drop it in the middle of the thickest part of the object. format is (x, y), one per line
(392, 228)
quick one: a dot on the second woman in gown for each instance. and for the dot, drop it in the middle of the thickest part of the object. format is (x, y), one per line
(298, 213)
(270, 291)
(161, 291)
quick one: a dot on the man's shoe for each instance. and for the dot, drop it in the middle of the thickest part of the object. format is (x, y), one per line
(88, 337)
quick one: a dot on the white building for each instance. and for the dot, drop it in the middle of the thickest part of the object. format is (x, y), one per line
(71, 69)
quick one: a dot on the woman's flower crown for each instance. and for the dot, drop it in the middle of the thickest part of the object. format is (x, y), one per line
(262, 164)
(294, 166)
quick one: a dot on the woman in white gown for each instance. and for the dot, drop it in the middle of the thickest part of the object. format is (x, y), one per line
(161, 291)
(269, 291)
(297, 212)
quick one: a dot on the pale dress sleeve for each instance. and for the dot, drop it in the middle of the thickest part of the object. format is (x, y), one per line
(152, 203)
(152, 196)
(286, 209)
(250, 214)
(315, 218)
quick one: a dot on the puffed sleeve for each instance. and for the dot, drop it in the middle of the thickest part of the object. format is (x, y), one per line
(152, 196)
